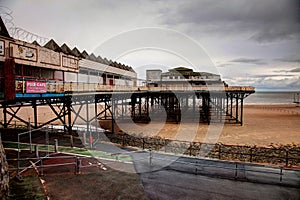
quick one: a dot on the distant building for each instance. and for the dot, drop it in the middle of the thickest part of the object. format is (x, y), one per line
(181, 76)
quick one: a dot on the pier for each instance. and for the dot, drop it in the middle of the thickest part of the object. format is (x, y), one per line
(207, 106)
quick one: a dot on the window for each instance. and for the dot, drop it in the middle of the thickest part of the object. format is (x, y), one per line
(94, 73)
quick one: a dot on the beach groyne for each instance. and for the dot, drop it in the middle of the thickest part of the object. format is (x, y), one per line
(4, 179)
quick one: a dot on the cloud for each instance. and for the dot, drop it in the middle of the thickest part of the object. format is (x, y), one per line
(295, 70)
(224, 65)
(271, 76)
(255, 61)
(266, 81)
(295, 84)
(262, 21)
(294, 59)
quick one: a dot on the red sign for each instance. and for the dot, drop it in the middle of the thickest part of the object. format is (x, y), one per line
(35, 87)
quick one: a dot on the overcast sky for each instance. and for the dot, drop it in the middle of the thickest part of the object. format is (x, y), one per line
(249, 42)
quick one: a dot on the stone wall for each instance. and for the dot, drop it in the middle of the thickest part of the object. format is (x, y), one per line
(288, 155)
(4, 179)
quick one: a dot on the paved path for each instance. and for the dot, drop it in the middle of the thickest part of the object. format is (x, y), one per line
(174, 177)
(168, 184)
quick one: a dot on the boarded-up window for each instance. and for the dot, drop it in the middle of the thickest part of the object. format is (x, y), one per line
(58, 75)
(47, 74)
(31, 71)
(18, 70)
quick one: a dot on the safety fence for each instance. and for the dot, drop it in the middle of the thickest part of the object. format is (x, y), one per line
(44, 157)
(54, 160)
(288, 155)
(227, 169)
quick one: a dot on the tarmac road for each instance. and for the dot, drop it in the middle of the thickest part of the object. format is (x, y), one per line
(175, 177)
(169, 184)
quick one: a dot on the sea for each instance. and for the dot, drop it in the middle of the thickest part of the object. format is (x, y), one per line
(271, 97)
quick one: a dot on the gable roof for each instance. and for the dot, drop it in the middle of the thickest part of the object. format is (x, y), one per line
(85, 54)
(92, 57)
(76, 52)
(35, 43)
(65, 49)
(52, 45)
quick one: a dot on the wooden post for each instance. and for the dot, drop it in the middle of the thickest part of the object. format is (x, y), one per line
(36, 150)
(236, 171)
(55, 145)
(41, 166)
(219, 149)
(72, 141)
(237, 108)
(78, 165)
(251, 154)
(280, 178)
(286, 157)
(150, 156)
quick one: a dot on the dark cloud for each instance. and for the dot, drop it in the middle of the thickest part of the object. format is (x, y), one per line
(255, 61)
(262, 21)
(295, 84)
(296, 60)
(224, 65)
(263, 76)
(295, 70)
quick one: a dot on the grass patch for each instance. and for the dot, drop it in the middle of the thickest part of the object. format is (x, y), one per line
(30, 188)
(80, 151)
(98, 185)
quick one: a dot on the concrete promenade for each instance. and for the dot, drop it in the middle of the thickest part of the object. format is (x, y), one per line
(173, 177)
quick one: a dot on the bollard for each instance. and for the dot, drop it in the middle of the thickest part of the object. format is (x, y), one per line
(286, 157)
(71, 141)
(41, 166)
(84, 138)
(150, 157)
(251, 154)
(55, 145)
(91, 141)
(36, 150)
(78, 165)
(236, 172)
(281, 168)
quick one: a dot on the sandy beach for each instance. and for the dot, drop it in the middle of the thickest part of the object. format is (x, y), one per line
(263, 125)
